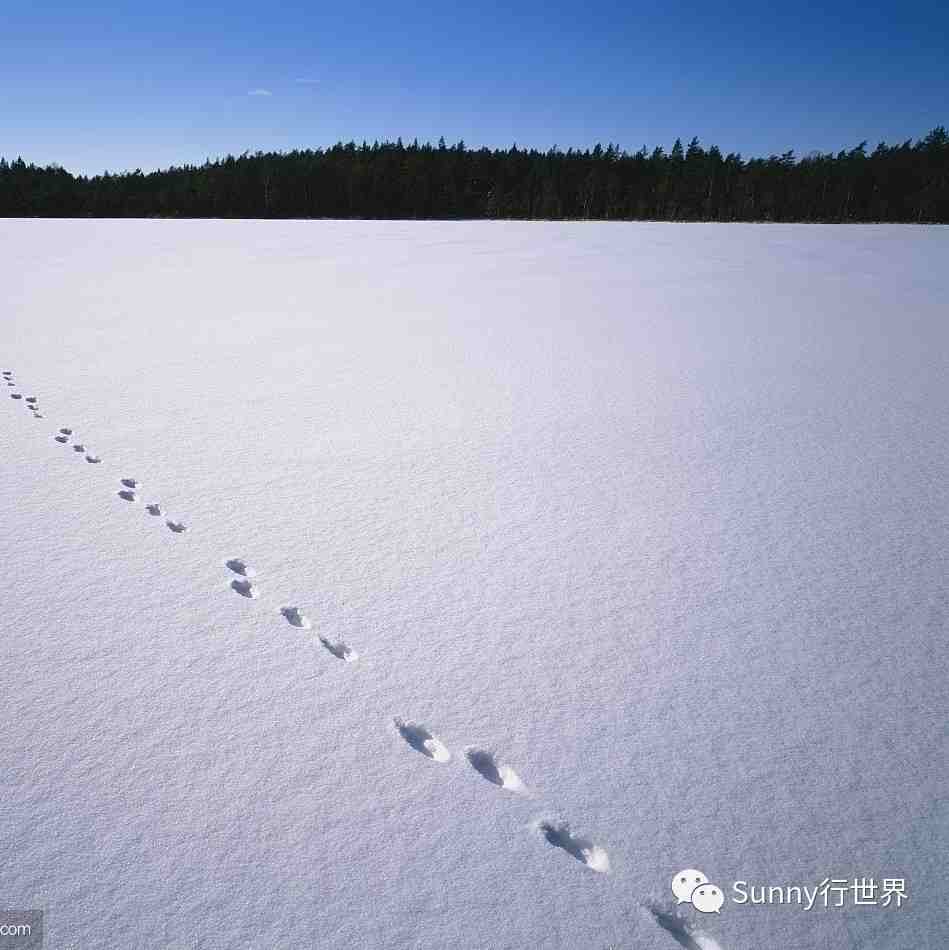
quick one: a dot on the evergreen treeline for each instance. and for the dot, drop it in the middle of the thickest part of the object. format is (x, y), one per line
(908, 182)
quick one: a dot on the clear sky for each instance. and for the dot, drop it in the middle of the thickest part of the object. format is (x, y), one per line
(120, 85)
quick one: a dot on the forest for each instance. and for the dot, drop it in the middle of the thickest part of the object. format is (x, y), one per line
(908, 182)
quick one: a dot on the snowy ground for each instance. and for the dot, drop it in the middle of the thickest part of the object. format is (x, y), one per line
(654, 517)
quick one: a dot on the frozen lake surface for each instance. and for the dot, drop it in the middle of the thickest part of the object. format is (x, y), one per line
(492, 574)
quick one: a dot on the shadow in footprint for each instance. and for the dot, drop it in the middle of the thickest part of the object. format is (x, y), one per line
(79, 448)
(130, 483)
(486, 765)
(340, 650)
(62, 439)
(681, 930)
(127, 495)
(238, 566)
(176, 526)
(420, 739)
(295, 617)
(31, 399)
(16, 396)
(583, 850)
(153, 509)
(93, 459)
(65, 431)
(245, 589)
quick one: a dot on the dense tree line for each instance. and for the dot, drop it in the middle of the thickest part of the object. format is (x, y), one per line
(908, 182)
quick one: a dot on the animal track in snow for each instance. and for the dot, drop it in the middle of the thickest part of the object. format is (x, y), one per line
(295, 617)
(558, 834)
(238, 566)
(38, 415)
(682, 931)
(420, 739)
(245, 589)
(340, 650)
(486, 765)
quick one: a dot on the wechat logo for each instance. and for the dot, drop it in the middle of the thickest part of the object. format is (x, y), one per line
(693, 887)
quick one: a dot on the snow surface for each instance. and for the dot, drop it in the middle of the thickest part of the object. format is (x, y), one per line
(652, 518)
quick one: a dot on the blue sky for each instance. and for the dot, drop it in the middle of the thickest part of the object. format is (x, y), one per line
(118, 86)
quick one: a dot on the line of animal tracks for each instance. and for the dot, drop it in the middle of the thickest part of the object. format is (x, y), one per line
(414, 736)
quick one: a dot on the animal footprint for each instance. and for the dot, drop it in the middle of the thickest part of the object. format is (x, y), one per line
(65, 431)
(153, 509)
(176, 526)
(130, 483)
(78, 448)
(558, 834)
(93, 459)
(38, 415)
(295, 617)
(340, 650)
(16, 395)
(238, 566)
(420, 739)
(683, 931)
(486, 765)
(245, 589)
(31, 399)
(127, 495)
(63, 439)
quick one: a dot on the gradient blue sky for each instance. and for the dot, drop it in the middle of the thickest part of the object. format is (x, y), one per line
(118, 86)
